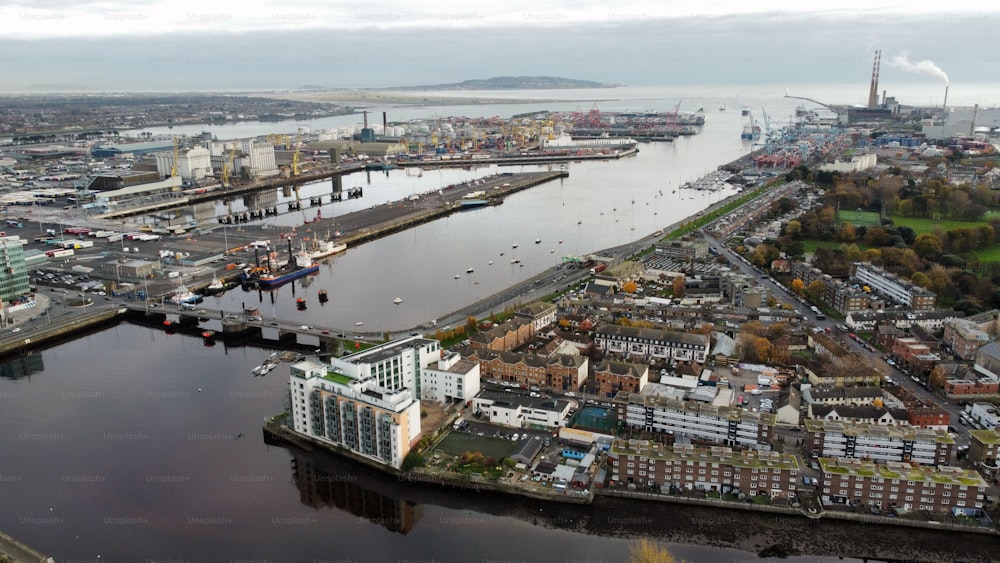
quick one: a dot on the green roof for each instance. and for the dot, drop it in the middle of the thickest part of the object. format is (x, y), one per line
(338, 378)
(986, 436)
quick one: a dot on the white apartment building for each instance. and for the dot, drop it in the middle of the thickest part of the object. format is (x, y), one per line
(734, 427)
(354, 413)
(451, 378)
(900, 291)
(878, 443)
(394, 365)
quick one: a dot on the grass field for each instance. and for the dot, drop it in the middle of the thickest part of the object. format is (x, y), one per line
(925, 225)
(988, 255)
(867, 218)
(457, 443)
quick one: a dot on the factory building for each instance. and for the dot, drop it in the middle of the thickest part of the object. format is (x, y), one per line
(192, 164)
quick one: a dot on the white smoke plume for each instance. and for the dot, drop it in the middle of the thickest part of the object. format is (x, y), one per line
(902, 61)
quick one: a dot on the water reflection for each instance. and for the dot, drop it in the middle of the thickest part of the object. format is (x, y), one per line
(22, 366)
(319, 487)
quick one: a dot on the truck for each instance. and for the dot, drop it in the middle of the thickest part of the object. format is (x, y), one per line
(59, 253)
(598, 269)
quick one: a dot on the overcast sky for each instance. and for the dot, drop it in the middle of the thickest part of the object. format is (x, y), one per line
(260, 44)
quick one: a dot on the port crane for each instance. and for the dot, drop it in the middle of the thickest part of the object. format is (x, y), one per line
(295, 155)
(173, 161)
(674, 116)
(228, 166)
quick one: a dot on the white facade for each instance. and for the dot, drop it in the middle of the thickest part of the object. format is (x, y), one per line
(258, 158)
(450, 379)
(730, 426)
(192, 164)
(900, 291)
(984, 414)
(858, 163)
(352, 413)
(510, 412)
(649, 343)
(394, 365)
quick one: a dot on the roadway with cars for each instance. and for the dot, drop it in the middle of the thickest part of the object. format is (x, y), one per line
(862, 349)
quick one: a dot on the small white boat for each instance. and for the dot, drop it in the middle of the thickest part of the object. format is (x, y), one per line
(514, 245)
(491, 262)
(538, 241)
(397, 300)
(469, 271)
(359, 323)
(457, 276)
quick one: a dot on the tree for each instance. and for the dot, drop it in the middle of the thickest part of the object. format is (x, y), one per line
(798, 286)
(679, 286)
(846, 232)
(412, 460)
(816, 290)
(470, 324)
(629, 287)
(761, 349)
(927, 244)
(938, 376)
(794, 229)
(647, 551)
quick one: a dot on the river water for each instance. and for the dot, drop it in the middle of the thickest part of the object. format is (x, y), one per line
(132, 444)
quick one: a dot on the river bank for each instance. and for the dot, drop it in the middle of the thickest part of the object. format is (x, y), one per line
(763, 531)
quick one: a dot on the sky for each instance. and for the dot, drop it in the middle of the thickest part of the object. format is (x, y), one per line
(87, 45)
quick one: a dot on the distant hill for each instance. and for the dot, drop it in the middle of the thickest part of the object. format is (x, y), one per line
(512, 83)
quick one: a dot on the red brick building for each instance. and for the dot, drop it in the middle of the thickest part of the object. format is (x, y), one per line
(612, 377)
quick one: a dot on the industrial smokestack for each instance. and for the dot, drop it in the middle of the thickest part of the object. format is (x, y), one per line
(883, 96)
(944, 106)
(972, 126)
(365, 113)
(385, 123)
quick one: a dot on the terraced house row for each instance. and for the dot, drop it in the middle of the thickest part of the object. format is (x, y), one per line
(652, 344)
(562, 372)
(904, 486)
(733, 427)
(713, 468)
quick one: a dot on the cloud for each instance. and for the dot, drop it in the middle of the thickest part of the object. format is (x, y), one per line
(100, 18)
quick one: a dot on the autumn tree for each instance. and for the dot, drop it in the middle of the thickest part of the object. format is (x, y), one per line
(470, 324)
(679, 286)
(816, 290)
(794, 229)
(927, 244)
(798, 286)
(846, 232)
(630, 287)
(647, 551)
(938, 377)
(761, 349)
